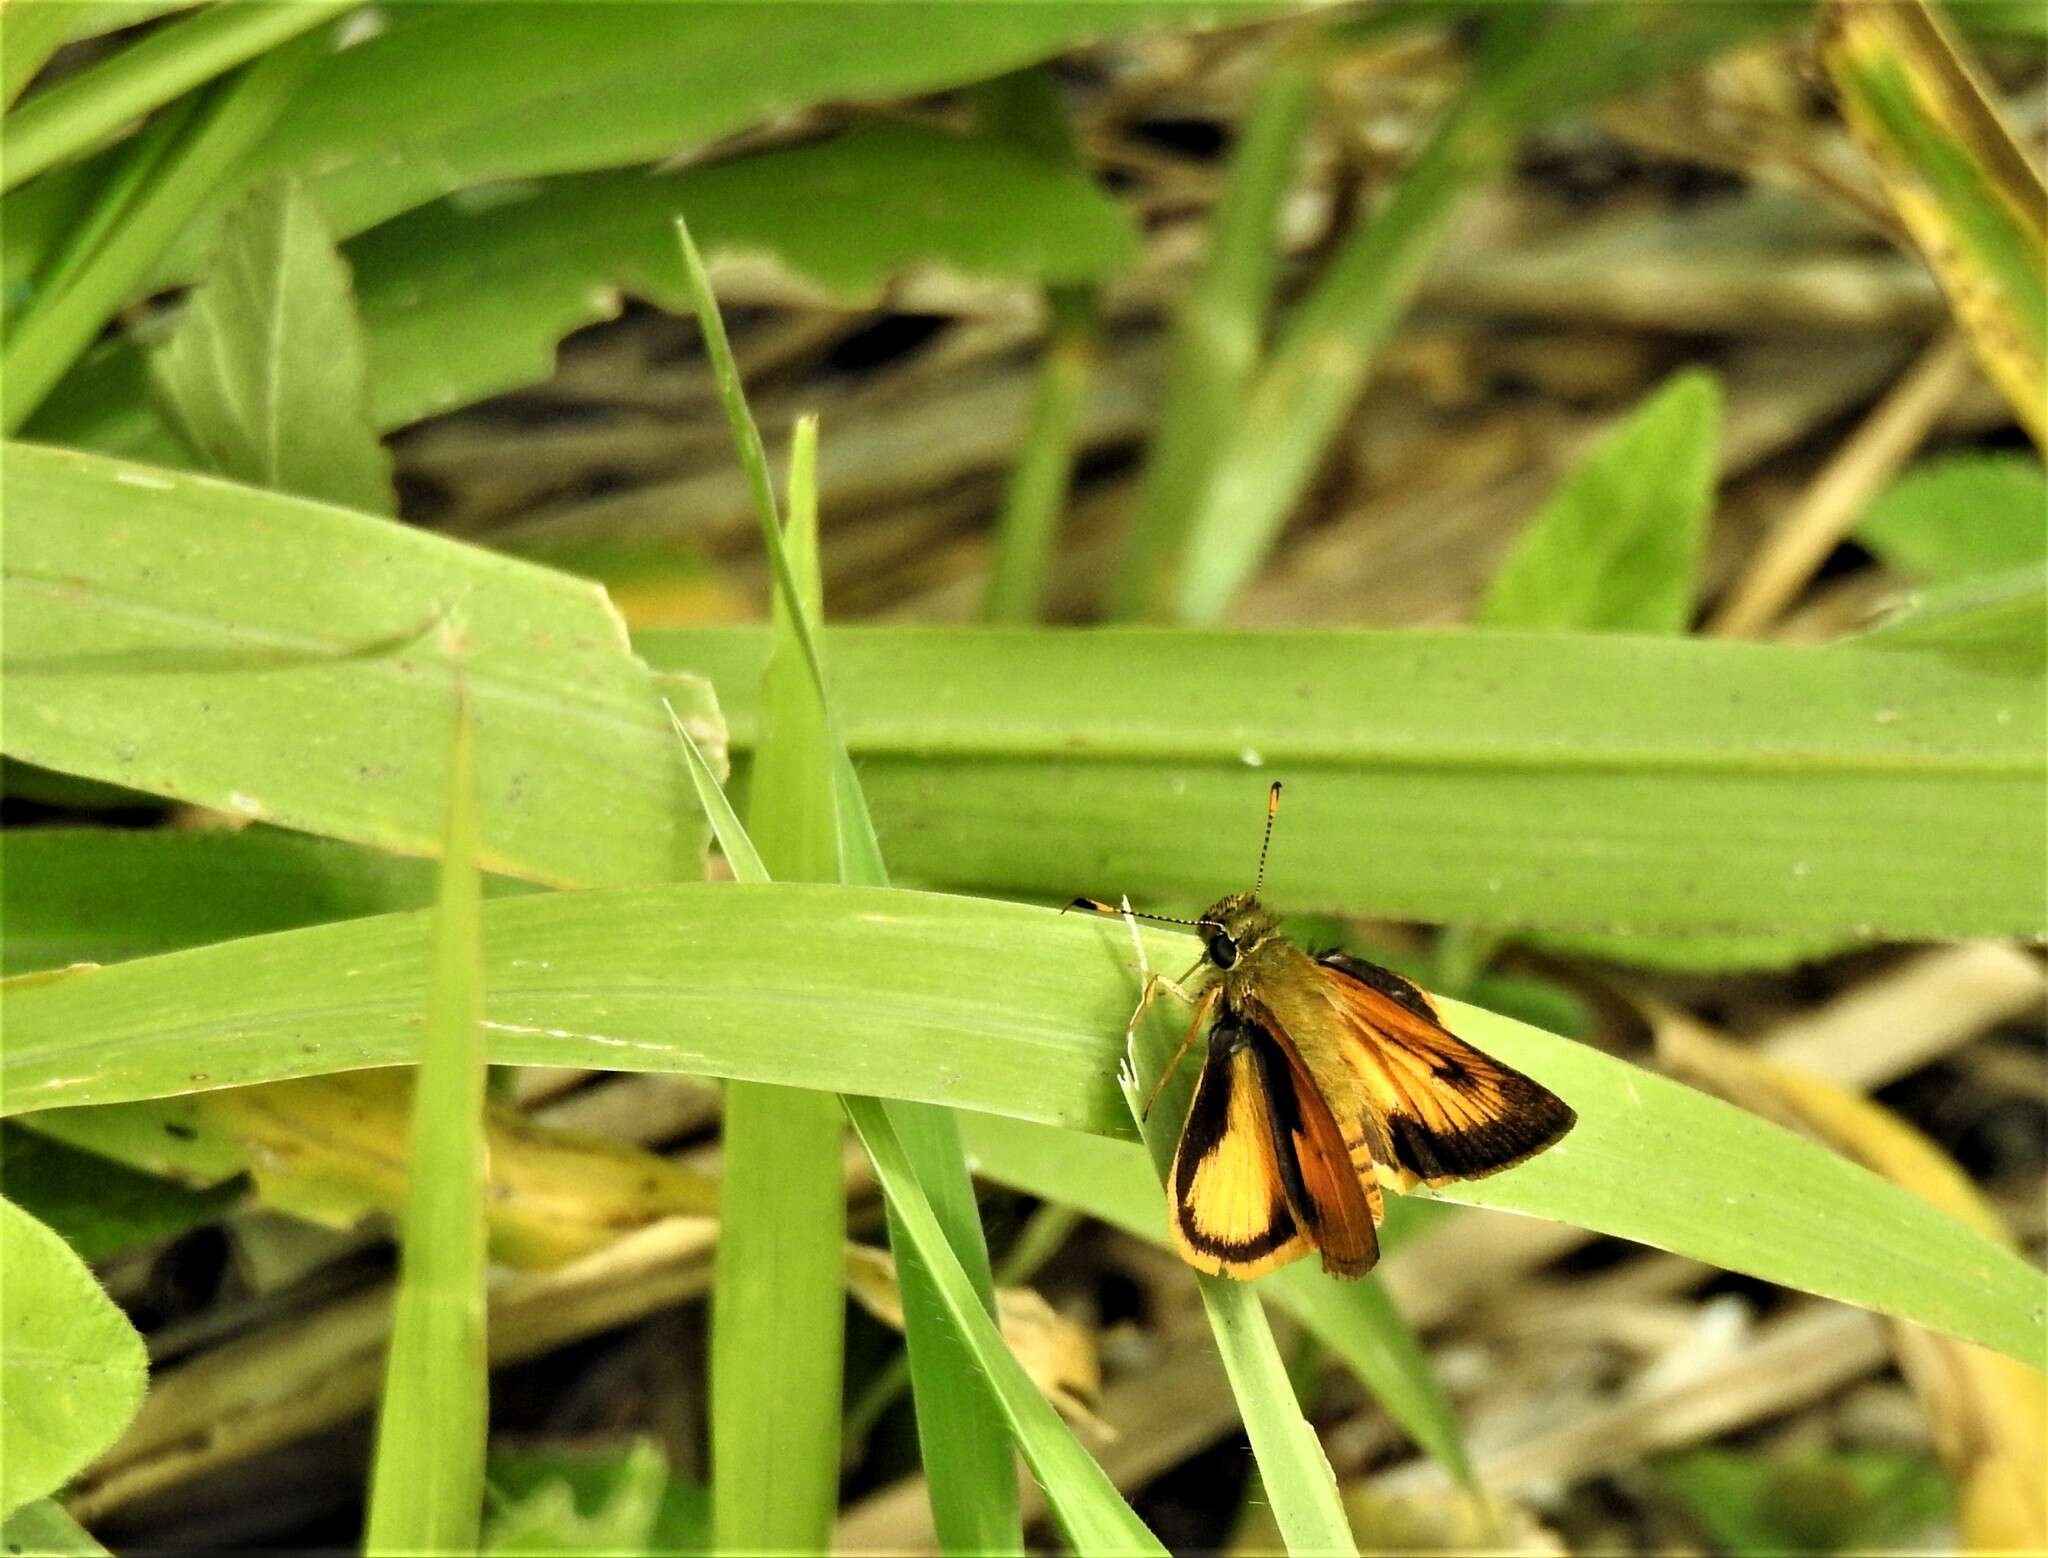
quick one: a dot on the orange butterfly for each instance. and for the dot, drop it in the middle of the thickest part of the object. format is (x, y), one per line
(1324, 1073)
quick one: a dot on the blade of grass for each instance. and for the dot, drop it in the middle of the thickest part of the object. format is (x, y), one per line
(1218, 330)
(33, 33)
(1086, 1503)
(427, 1480)
(1090, 1511)
(1115, 1182)
(1562, 781)
(1025, 109)
(967, 1456)
(75, 115)
(1292, 1466)
(1027, 531)
(226, 616)
(777, 1309)
(56, 329)
(1975, 206)
(976, 1005)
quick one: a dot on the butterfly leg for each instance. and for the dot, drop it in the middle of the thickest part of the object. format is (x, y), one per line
(1194, 1030)
(1154, 983)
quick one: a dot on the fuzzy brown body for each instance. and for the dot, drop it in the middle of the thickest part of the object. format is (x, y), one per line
(1324, 1074)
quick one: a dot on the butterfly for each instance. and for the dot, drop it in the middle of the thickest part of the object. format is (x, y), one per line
(1325, 1076)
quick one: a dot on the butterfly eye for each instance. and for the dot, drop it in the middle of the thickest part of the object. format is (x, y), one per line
(1222, 950)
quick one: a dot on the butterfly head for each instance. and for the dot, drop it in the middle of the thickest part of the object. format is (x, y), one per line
(1234, 928)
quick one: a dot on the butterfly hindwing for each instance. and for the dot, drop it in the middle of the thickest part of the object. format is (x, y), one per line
(1231, 1210)
(1336, 1203)
(1437, 1109)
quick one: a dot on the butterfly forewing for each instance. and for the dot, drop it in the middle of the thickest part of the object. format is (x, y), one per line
(1445, 1110)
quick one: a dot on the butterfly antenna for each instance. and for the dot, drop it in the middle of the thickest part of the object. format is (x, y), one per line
(1097, 906)
(1272, 811)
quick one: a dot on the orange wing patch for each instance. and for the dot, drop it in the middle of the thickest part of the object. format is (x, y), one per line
(1230, 1210)
(1436, 1108)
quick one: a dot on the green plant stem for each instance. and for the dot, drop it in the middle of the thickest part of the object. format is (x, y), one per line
(1029, 527)
(1217, 332)
(58, 327)
(80, 112)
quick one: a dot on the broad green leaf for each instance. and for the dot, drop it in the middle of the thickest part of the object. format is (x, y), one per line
(33, 33)
(1113, 1182)
(1959, 515)
(98, 895)
(266, 374)
(100, 1207)
(1567, 782)
(1974, 205)
(778, 1309)
(71, 1366)
(448, 96)
(1294, 1473)
(427, 1478)
(1617, 546)
(538, 1510)
(279, 659)
(1090, 1511)
(1995, 623)
(899, 1000)
(160, 177)
(467, 297)
(43, 1528)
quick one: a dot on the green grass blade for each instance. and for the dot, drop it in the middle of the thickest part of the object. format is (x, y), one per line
(1114, 1182)
(777, 1306)
(1557, 781)
(1974, 204)
(267, 375)
(98, 895)
(57, 328)
(1090, 1511)
(72, 1369)
(229, 615)
(1218, 331)
(1298, 1482)
(976, 1005)
(73, 116)
(966, 1448)
(426, 1487)
(1617, 546)
(1027, 531)
(33, 33)
(726, 827)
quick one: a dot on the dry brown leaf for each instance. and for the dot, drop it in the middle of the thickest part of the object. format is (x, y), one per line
(1988, 1413)
(1058, 1354)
